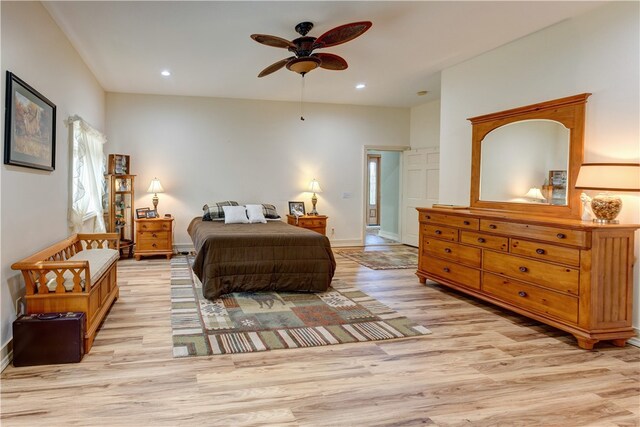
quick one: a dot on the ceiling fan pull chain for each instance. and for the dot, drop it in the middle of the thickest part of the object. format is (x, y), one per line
(302, 100)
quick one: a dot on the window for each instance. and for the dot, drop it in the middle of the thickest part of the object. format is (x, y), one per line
(87, 181)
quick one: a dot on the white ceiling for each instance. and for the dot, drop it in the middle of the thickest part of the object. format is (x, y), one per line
(206, 45)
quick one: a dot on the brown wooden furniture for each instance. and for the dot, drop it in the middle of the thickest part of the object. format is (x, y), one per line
(154, 236)
(77, 274)
(118, 164)
(317, 223)
(570, 112)
(119, 209)
(571, 274)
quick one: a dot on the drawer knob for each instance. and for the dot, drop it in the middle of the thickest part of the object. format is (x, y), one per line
(523, 269)
(447, 250)
(438, 232)
(428, 217)
(522, 294)
(154, 245)
(540, 251)
(154, 234)
(481, 239)
(561, 236)
(493, 226)
(466, 223)
(446, 269)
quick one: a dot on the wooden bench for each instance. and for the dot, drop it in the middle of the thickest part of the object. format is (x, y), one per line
(76, 274)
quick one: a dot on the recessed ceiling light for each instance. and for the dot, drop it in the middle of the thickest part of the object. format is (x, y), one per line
(166, 73)
(361, 86)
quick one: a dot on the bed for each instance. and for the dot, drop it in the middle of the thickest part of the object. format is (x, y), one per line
(260, 257)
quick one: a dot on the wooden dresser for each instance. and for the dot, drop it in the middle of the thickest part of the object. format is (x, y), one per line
(317, 223)
(574, 275)
(154, 236)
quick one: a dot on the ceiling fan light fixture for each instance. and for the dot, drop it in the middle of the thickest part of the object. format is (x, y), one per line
(303, 65)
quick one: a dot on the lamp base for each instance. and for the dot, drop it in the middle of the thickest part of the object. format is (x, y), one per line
(155, 202)
(606, 208)
(314, 200)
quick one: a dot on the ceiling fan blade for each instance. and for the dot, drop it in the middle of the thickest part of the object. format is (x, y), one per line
(342, 34)
(331, 61)
(275, 66)
(272, 41)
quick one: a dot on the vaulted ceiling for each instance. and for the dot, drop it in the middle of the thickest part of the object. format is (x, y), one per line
(207, 48)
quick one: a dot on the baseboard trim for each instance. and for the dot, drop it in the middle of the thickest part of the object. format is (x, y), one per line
(184, 247)
(635, 341)
(341, 243)
(390, 236)
(6, 353)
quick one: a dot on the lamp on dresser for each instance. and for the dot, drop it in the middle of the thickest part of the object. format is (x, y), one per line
(155, 187)
(314, 187)
(608, 177)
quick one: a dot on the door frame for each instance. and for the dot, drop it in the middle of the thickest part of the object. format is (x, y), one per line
(365, 181)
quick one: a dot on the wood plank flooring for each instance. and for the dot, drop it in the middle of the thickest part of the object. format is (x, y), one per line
(481, 366)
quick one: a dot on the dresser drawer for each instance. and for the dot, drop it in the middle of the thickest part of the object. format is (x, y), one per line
(559, 254)
(453, 220)
(539, 232)
(449, 270)
(531, 297)
(439, 232)
(556, 277)
(153, 245)
(159, 236)
(452, 251)
(485, 240)
(308, 223)
(158, 225)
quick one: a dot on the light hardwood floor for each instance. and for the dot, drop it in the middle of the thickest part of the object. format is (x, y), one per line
(481, 366)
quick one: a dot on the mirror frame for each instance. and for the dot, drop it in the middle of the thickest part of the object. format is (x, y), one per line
(570, 112)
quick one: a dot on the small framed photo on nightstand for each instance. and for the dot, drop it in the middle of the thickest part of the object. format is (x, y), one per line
(152, 214)
(296, 208)
(141, 213)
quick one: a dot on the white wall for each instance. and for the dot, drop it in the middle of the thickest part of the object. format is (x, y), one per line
(34, 203)
(598, 52)
(425, 125)
(210, 149)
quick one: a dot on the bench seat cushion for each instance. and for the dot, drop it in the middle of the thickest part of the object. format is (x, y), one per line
(99, 261)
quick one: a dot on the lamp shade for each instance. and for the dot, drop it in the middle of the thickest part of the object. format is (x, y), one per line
(314, 186)
(535, 194)
(155, 186)
(609, 176)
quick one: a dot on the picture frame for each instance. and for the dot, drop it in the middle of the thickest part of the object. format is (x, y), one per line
(30, 127)
(152, 214)
(141, 213)
(558, 183)
(297, 208)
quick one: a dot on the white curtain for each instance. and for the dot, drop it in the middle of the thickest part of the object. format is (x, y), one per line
(87, 186)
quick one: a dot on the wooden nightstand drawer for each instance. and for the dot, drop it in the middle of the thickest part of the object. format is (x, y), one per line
(154, 225)
(154, 236)
(531, 297)
(308, 222)
(153, 245)
(317, 223)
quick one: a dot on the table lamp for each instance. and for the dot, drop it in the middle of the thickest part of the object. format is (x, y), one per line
(535, 195)
(314, 187)
(155, 187)
(608, 177)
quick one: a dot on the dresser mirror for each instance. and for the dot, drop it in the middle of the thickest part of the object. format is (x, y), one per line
(527, 159)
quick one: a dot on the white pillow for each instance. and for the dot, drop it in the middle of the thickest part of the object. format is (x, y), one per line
(255, 214)
(235, 215)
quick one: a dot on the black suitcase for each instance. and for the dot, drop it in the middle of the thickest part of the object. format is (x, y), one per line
(48, 338)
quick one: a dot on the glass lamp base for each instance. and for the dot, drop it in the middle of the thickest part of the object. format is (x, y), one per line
(606, 208)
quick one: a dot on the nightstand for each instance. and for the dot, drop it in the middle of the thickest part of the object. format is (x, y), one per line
(154, 236)
(317, 223)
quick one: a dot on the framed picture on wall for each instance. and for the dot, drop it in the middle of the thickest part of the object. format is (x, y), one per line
(296, 208)
(30, 127)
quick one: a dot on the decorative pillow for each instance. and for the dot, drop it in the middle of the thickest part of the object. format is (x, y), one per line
(255, 214)
(235, 215)
(269, 211)
(214, 211)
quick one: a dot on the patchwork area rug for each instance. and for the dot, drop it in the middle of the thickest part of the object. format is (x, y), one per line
(261, 321)
(392, 258)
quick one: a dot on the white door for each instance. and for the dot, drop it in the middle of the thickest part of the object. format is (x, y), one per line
(420, 182)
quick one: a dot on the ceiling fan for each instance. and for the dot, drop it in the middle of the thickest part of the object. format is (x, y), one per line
(302, 47)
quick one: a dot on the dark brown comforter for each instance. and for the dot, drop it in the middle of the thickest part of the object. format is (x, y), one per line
(260, 257)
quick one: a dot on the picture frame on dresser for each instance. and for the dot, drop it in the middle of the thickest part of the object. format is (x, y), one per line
(297, 208)
(30, 127)
(152, 214)
(142, 212)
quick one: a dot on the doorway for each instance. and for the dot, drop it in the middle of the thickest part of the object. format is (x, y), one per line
(383, 197)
